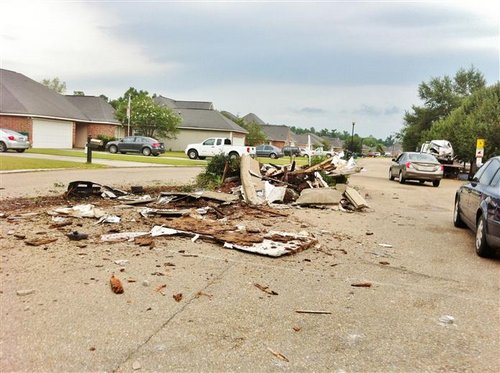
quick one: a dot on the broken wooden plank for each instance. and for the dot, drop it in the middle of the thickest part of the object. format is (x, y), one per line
(248, 184)
(314, 312)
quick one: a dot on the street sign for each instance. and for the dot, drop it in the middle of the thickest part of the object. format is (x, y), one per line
(480, 144)
(479, 153)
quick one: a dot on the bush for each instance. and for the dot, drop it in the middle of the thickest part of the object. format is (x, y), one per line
(105, 139)
(211, 178)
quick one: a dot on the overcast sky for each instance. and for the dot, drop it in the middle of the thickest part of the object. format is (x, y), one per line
(324, 64)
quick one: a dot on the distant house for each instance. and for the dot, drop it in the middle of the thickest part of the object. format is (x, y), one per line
(278, 135)
(335, 143)
(52, 120)
(200, 121)
(252, 118)
(302, 140)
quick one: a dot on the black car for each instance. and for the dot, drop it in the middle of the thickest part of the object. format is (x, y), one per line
(136, 144)
(270, 151)
(477, 206)
(291, 150)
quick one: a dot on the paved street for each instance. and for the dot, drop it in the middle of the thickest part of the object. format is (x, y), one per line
(432, 305)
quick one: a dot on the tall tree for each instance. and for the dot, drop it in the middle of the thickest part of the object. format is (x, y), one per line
(255, 134)
(477, 117)
(146, 116)
(440, 97)
(55, 84)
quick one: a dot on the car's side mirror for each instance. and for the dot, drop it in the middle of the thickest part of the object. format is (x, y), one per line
(394, 159)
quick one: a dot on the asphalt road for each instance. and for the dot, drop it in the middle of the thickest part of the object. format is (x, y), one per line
(432, 304)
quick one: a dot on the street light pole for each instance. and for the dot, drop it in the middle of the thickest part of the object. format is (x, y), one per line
(352, 137)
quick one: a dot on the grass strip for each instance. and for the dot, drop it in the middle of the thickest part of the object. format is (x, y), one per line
(18, 163)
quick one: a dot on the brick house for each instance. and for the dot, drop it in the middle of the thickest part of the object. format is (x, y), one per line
(52, 120)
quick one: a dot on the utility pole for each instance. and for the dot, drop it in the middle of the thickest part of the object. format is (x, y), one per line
(352, 137)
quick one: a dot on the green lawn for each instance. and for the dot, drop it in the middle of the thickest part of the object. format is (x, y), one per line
(169, 158)
(18, 163)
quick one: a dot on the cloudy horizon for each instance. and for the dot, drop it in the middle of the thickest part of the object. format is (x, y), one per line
(306, 64)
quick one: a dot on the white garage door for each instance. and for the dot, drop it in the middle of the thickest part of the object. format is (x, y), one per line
(52, 134)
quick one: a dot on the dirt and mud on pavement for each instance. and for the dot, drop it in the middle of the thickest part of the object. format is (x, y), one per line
(389, 287)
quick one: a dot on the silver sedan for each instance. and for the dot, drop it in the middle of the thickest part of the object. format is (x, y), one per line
(416, 166)
(13, 140)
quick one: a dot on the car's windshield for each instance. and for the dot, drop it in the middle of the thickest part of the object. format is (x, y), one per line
(421, 157)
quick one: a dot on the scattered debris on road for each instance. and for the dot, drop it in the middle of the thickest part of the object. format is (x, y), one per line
(116, 285)
(278, 355)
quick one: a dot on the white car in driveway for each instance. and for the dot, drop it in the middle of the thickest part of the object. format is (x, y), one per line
(13, 140)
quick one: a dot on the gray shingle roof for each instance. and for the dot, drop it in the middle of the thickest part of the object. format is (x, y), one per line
(96, 109)
(252, 118)
(176, 104)
(20, 95)
(199, 115)
(276, 132)
(303, 139)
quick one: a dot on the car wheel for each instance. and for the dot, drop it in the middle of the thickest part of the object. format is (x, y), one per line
(401, 178)
(391, 176)
(457, 220)
(272, 156)
(202, 158)
(113, 149)
(482, 248)
(146, 152)
(156, 154)
(233, 155)
(20, 150)
(3, 147)
(192, 154)
(436, 183)
(123, 152)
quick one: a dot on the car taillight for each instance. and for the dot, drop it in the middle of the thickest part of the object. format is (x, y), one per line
(408, 165)
(248, 150)
(12, 138)
(441, 167)
(156, 145)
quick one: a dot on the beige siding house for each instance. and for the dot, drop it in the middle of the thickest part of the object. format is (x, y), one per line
(199, 122)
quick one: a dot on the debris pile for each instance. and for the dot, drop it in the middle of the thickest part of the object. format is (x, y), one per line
(230, 220)
(300, 186)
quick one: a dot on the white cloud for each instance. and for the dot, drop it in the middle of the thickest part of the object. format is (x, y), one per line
(69, 40)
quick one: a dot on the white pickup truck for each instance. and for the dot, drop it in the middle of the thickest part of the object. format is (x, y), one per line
(217, 145)
(318, 152)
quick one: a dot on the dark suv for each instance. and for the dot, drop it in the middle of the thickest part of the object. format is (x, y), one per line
(291, 150)
(136, 144)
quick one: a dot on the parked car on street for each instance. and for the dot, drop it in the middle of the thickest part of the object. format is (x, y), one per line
(13, 140)
(416, 166)
(291, 150)
(136, 144)
(477, 206)
(270, 151)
